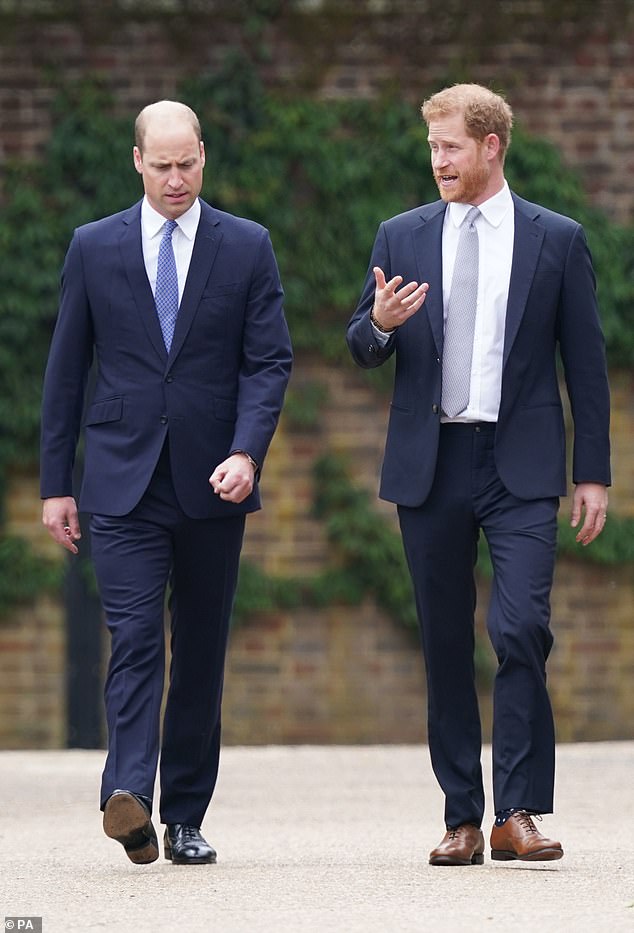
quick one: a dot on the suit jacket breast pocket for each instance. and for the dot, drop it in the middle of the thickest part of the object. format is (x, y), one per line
(217, 305)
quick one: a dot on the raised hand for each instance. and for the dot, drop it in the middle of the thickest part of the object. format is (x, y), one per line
(391, 307)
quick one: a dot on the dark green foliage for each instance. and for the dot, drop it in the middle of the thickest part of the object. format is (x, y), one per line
(22, 574)
(615, 544)
(258, 592)
(303, 405)
(369, 555)
(370, 550)
(321, 175)
(83, 176)
(536, 172)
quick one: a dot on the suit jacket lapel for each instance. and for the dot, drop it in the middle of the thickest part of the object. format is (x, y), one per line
(134, 264)
(428, 251)
(206, 245)
(526, 250)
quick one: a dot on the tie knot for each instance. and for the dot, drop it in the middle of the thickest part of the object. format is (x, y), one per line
(170, 225)
(472, 215)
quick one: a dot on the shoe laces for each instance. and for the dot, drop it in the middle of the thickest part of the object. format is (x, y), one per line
(189, 833)
(454, 831)
(526, 820)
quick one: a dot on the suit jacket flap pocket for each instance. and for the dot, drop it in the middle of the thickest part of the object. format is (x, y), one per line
(107, 409)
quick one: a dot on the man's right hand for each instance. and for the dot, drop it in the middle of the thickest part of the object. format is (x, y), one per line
(391, 307)
(61, 520)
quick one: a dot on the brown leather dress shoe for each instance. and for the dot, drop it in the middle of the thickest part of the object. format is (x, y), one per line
(462, 845)
(519, 838)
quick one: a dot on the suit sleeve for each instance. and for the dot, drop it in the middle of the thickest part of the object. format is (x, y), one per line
(69, 362)
(266, 357)
(582, 349)
(366, 350)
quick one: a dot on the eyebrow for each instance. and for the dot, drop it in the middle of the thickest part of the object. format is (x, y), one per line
(185, 160)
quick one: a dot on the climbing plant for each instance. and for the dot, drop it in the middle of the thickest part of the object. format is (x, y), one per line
(320, 174)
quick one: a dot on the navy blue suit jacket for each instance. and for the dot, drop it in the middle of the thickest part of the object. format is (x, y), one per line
(220, 388)
(551, 303)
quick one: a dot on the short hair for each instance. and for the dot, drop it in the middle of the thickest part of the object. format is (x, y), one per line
(163, 107)
(484, 111)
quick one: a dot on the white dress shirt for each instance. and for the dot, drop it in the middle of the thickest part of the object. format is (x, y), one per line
(152, 224)
(496, 232)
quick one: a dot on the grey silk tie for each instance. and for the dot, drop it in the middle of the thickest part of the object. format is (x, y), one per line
(460, 324)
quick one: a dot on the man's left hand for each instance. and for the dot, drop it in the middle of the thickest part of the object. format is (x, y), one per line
(233, 479)
(593, 498)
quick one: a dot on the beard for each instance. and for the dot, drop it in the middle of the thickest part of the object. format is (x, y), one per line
(469, 185)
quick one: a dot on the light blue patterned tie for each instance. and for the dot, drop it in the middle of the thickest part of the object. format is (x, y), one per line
(460, 326)
(166, 293)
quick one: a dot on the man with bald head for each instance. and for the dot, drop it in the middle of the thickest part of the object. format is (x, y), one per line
(179, 307)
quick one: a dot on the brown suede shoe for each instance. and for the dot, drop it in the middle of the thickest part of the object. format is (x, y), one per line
(462, 845)
(519, 838)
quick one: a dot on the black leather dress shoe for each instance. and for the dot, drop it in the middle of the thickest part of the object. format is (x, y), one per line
(126, 818)
(184, 845)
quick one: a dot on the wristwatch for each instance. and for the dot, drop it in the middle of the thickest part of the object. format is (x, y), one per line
(249, 458)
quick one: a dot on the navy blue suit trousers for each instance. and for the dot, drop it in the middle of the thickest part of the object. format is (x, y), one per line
(136, 557)
(440, 539)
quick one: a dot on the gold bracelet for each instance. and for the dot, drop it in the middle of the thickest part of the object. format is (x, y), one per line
(378, 326)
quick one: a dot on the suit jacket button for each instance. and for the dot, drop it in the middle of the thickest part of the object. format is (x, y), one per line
(163, 419)
(434, 408)
(169, 378)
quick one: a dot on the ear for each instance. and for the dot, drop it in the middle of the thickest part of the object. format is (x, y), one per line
(492, 146)
(202, 152)
(138, 160)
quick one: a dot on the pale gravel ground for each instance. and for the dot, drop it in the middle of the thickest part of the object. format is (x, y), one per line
(328, 839)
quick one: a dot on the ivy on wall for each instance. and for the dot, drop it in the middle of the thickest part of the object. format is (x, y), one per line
(23, 574)
(321, 175)
(369, 556)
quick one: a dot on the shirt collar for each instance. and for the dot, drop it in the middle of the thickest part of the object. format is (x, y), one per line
(153, 222)
(494, 209)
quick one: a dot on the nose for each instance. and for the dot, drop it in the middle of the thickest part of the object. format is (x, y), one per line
(438, 159)
(175, 180)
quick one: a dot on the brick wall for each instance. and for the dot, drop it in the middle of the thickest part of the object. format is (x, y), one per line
(348, 674)
(362, 669)
(567, 68)
(344, 674)
(32, 678)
